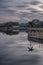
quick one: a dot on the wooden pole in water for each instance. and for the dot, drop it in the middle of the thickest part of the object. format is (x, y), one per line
(39, 39)
(30, 39)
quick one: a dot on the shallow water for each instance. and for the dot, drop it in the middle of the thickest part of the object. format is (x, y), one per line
(14, 51)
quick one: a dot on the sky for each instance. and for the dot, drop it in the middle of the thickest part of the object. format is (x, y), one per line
(21, 10)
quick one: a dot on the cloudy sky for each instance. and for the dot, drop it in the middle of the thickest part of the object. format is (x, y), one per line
(21, 10)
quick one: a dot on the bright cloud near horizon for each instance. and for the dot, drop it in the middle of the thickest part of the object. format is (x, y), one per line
(21, 10)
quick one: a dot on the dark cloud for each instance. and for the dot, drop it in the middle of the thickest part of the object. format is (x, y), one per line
(41, 6)
(23, 14)
(5, 1)
(26, 2)
(35, 2)
(10, 12)
(6, 7)
(33, 11)
(21, 6)
(3, 5)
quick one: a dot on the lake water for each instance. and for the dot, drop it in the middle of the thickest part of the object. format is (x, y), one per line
(14, 50)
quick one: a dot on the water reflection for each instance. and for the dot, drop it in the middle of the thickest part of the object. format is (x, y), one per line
(13, 51)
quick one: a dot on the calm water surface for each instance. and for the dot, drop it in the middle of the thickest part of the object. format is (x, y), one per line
(14, 51)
